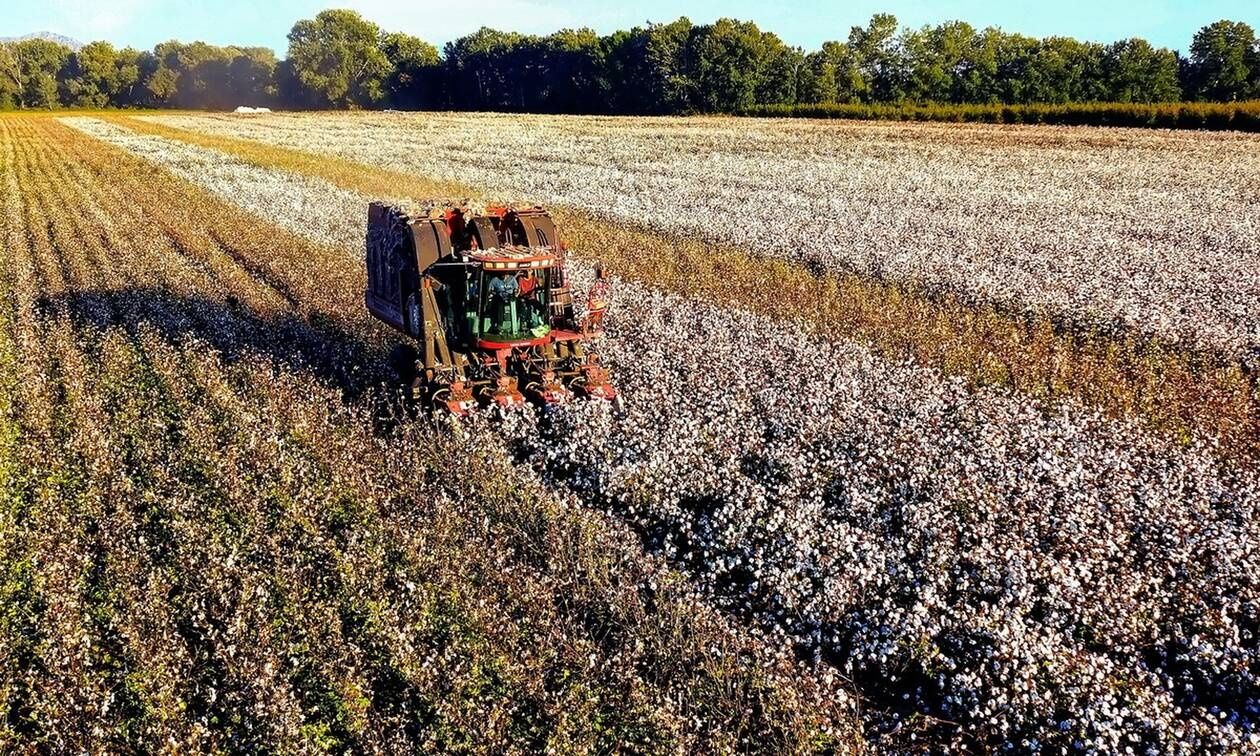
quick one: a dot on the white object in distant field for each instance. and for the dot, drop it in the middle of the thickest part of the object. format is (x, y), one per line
(245, 109)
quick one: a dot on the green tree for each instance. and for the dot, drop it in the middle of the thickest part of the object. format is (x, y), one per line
(878, 59)
(940, 61)
(131, 68)
(179, 78)
(1222, 57)
(10, 78)
(572, 60)
(734, 65)
(205, 81)
(1013, 56)
(337, 59)
(162, 82)
(816, 81)
(670, 87)
(485, 70)
(990, 63)
(645, 70)
(618, 52)
(1134, 71)
(850, 83)
(251, 75)
(160, 86)
(37, 63)
(782, 68)
(90, 76)
(1255, 70)
(414, 74)
(1063, 69)
(199, 75)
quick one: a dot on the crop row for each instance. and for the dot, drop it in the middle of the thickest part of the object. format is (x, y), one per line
(1148, 229)
(1177, 391)
(985, 570)
(217, 537)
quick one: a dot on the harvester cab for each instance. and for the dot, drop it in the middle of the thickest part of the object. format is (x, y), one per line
(486, 297)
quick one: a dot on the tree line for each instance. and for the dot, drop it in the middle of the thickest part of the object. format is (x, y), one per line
(340, 60)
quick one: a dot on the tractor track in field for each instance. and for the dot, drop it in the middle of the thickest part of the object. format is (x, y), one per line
(1004, 562)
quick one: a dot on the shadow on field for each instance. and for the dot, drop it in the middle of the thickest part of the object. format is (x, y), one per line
(325, 350)
(316, 344)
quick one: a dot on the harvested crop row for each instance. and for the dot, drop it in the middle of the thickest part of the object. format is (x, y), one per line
(1176, 390)
(985, 570)
(1153, 229)
(207, 547)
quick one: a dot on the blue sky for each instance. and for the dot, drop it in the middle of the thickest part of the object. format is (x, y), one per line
(143, 23)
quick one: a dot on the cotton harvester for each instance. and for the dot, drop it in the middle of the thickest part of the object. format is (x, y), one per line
(485, 296)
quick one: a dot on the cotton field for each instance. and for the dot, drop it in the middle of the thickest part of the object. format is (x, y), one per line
(219, 532)
(978, 568)
(1151, 229)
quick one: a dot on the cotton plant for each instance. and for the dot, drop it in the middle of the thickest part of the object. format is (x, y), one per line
(1141, 228)
(1037, 575)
